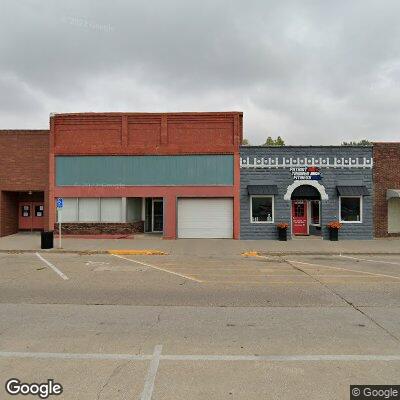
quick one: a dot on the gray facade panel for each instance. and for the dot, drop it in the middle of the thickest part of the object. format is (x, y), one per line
(282, 177)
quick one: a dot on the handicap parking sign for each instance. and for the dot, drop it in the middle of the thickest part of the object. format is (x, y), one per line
(60, 202)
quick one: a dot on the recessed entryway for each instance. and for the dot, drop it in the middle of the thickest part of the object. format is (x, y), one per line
(154, 214)
(306, 211)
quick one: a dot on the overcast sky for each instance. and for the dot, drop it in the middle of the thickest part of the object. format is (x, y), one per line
(314, 72)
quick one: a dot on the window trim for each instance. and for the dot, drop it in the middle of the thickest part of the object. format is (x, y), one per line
(319, 213)
(273, 208)
(361, 210)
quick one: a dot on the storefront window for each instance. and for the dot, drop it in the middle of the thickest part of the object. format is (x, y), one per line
(314, 207)
(350, 209)
(262, 209)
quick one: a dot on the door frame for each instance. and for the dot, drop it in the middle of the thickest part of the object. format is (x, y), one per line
(35, 223)
(153, 200)
(291, 217)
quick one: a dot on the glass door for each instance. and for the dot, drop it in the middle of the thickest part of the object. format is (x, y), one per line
(157, 215)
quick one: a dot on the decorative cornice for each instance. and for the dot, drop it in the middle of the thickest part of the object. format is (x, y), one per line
(288, 162)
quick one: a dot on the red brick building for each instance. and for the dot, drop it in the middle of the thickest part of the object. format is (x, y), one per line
(24, 172)
(172, 173)
(387, 189)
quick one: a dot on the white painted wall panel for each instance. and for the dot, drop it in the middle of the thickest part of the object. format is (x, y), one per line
(69, 213)
(394, 215)
(111, 209)
(89, 209)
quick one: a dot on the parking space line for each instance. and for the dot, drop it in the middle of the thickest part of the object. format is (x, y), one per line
(151, 374)
(74, 356)
(373, 261)
(316, 357)
(53, 267)
(344, 269)
(156, 357)
(158, 268)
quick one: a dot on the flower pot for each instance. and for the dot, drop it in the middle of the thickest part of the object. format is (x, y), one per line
(282, 234)
(333, 234)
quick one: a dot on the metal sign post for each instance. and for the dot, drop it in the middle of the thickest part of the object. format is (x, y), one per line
(60, 205)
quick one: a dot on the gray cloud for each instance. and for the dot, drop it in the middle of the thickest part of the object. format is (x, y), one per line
(312, 71)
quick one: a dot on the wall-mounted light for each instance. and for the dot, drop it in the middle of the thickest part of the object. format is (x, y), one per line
(30, 192)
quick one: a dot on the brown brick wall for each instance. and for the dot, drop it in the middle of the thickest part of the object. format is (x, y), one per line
(386, 176)
(8, 213)
(101, 228)
(147, 133)
(24, 160)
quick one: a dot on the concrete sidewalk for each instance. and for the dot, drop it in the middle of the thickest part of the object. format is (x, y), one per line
(205, 247)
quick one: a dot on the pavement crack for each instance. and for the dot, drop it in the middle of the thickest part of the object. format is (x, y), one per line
(114, 373)
(334, 292)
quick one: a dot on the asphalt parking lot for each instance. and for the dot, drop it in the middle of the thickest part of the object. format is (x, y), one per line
(200, 327)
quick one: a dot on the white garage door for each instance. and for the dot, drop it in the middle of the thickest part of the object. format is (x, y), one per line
(205, 218)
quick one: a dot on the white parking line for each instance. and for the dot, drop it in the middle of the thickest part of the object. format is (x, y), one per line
(343, 269)
(151, 374)
(53, 267)
(158, 268)
(75, 356)
(373, 261)
(316, 357)
(157, 357)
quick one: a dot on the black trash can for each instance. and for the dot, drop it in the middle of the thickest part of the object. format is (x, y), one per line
(333, 234)
(47, 240)
(282, 234)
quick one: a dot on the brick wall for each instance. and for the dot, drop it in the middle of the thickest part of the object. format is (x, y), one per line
(8, 213)
(81, 228)
(24, 161)
(386, 176)
(147, 133)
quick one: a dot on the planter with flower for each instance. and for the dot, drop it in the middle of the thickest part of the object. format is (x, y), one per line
(282, 230)
(334, 227)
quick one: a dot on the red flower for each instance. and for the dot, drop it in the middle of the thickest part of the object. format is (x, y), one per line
(282, 225)
(334, 225)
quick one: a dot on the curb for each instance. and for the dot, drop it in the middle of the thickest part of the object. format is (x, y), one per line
(318, 253)
(245, 254)
(137, 252)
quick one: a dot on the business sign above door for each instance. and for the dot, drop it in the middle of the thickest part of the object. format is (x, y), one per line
(306, 173)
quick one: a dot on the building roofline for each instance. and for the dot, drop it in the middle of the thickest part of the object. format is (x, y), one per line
(120, 113)
(33, 131)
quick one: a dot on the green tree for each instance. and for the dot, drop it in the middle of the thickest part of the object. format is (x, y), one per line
(274, 142)
(245, 142)
(363, 142)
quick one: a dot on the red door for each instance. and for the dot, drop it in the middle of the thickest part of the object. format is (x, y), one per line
(37, 215)
(31, 215)
(299, 217)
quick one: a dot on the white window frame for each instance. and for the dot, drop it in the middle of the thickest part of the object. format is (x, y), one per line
(273, 209)
(361, 210)
(319, 212)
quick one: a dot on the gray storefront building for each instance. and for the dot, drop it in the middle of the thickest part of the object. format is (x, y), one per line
(306, 187)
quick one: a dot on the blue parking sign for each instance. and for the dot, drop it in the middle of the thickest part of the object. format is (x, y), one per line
(60, 202)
